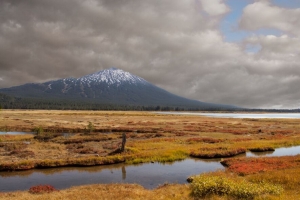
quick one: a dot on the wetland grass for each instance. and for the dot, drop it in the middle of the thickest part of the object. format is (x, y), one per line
(150, 138)
(205, 186)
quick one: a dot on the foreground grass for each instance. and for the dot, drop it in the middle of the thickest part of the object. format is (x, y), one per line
(110, 191)
(275, 185)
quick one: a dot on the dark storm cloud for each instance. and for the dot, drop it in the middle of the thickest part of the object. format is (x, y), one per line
(174, 44)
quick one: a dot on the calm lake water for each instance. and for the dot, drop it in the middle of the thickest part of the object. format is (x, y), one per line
(149, 175)
(240, 115)
(15, 133)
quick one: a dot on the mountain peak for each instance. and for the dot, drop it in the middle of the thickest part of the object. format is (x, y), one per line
(113, 68)
(112, 76)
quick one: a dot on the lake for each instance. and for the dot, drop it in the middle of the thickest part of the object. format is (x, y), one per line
(240, 115)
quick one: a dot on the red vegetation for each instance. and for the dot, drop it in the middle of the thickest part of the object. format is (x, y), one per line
(39, 189)
(205, 140)
(244, 166)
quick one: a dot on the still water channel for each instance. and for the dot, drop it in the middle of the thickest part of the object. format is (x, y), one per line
(149, 175)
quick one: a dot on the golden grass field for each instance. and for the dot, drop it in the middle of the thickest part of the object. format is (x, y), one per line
(150, 137)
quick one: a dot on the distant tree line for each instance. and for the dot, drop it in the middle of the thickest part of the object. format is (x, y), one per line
(9, 102)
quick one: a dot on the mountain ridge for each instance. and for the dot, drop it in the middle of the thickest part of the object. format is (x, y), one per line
(110, 86)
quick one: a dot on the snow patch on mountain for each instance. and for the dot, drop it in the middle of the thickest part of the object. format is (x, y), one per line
(65, 89)
(112, 76)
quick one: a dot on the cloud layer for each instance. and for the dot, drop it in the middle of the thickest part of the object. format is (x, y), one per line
(174, 44)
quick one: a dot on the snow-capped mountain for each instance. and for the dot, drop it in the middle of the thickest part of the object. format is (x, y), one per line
(112, 76)
(91, 85)
(111, 86)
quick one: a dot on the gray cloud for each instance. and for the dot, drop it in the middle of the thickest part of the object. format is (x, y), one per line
(214, 7)
(174, 44)
(262, 14)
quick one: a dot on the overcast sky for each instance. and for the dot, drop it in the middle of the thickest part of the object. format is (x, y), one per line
(240, 52)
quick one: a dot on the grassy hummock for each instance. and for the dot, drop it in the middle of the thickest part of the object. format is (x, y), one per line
(204, 186)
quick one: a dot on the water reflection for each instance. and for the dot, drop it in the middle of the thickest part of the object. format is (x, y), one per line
(123, 173)
(149, 175)
(264, 153)
(284, 151)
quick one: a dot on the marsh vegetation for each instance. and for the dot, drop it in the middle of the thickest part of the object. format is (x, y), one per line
(93, 135)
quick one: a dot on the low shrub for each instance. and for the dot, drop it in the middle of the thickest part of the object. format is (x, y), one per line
(39, 189)
(90, 127)
(206, 185)
(39, 130)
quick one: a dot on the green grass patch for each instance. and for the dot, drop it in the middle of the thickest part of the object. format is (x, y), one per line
(204, 186)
